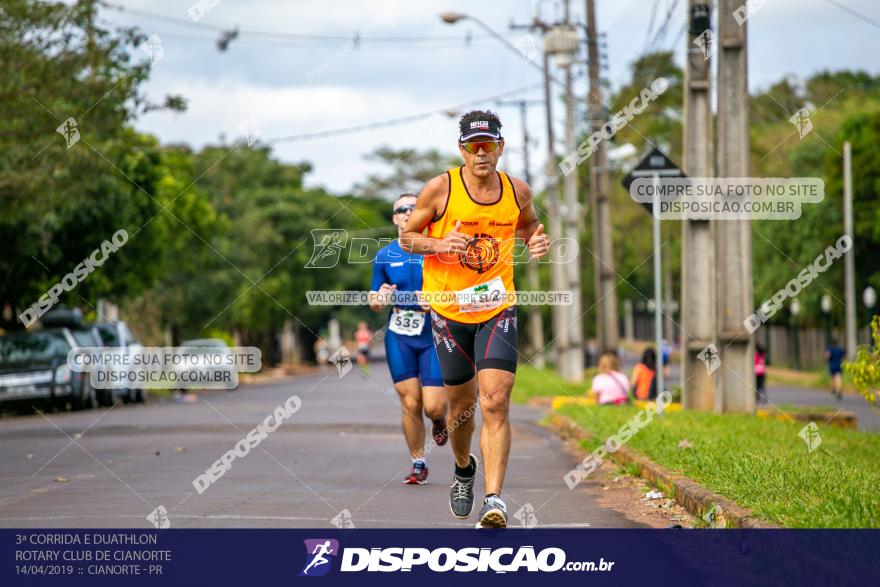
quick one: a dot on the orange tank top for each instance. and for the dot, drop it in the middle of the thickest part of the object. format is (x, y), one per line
(474, 286)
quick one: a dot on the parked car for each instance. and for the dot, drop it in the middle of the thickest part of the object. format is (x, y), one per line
(87, 335)
(117, 334)
(33, 366)
(204, 346)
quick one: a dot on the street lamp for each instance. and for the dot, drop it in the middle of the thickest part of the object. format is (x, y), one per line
(452, 17)
(825, 304)
(869, 297)
(795, 309)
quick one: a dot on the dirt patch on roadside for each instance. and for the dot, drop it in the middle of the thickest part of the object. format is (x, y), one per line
(615, 489)
(612, 488)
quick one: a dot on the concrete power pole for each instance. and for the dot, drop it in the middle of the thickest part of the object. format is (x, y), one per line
(849, 275)
(600, 188)
(698, 238)
(733, 238)
(535, 322)
(559, 313)
(574, 359)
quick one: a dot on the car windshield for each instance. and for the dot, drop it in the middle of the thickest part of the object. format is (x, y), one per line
(108, 335)
(32, 347)
(84, 338)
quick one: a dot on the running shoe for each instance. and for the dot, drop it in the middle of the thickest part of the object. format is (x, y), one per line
(493, 514)
(461, 494)
(439, 432)
(418, 475)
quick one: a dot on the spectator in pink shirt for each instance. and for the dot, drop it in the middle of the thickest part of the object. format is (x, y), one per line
(760, 373)
(610, 386)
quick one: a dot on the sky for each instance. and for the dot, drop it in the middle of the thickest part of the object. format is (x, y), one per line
(408, 62)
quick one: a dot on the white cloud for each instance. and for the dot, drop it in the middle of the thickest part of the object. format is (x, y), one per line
(371, 84)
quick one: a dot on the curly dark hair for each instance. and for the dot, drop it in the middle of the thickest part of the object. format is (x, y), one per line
(468, 117)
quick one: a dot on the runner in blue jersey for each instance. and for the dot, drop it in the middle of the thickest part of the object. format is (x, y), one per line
(415, 370)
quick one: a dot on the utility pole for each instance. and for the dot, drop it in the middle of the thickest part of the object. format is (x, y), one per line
(574, 359)
(559, 313)
(563, 317)
(849, 276)
(668, 303)
(535, 322)
(733, 238)
(600, 187)
(698, 236)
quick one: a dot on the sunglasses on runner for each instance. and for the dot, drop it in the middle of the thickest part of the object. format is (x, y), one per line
(487, 146)
(404, 209)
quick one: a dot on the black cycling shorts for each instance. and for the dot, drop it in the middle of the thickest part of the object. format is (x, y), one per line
(463, 349)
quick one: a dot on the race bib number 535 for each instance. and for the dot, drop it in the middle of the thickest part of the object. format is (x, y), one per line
(407, 322)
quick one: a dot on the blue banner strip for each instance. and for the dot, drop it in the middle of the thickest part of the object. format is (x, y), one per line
(385, 557)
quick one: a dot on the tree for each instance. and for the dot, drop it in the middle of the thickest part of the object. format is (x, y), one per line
(865, 370)
(63, 194)
(781, 248)
(410, 170)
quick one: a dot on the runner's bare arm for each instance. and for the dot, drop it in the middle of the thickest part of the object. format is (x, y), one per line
(379, 299)
(528, 220)
(529, 228)
(431, 201)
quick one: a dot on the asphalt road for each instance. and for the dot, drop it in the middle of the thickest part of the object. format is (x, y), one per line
(339, 460)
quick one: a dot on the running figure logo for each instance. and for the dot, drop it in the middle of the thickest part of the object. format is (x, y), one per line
(481, 253)
(327, 247)
(710, 358)
(70, 131)
(317, 552)
(802, 121)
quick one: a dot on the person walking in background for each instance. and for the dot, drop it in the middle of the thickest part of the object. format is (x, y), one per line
(834, 356)
(665, 352)
(642, 379)
(609, 385)
(362, 337)
(322, 353)
(760, 373)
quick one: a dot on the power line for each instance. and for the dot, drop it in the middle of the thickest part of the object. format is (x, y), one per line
(394, 121)
(858, 15)
(289, 44)
(650, 25)
(310, 38)
(662, 30)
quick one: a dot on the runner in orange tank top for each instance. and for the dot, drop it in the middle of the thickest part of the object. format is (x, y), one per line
(473, 215)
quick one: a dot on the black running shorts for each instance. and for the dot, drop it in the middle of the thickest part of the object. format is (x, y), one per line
(464, 349)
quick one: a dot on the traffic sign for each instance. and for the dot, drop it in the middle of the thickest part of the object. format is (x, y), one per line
(657, 165)
(654, 164)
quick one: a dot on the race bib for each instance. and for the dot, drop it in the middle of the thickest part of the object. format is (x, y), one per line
(407, 322)
(484, 296)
